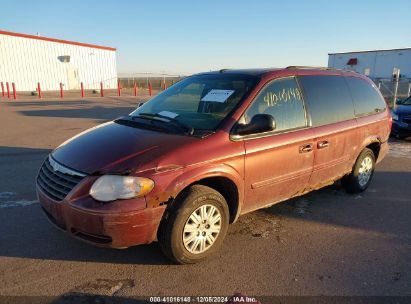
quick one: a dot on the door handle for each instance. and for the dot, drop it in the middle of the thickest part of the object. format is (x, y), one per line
(306, 148)
(323, 144)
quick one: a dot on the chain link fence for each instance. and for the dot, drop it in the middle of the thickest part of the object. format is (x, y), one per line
(143, 80)
(393, 89)
(131, 84)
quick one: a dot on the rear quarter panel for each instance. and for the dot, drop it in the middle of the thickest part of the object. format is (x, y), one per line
(374, 128)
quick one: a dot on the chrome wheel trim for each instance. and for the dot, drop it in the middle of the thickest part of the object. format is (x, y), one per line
(365, 171)
(202, 229)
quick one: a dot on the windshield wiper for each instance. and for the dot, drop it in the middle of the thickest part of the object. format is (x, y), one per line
(128, 121)
(189, 129)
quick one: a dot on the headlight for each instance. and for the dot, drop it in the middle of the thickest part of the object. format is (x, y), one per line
(112, 187)
(394, 116)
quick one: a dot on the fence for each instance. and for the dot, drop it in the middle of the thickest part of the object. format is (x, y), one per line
(141, 84)
(143, 80)
(393, 89)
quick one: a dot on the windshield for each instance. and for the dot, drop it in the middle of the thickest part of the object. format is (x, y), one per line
(199, 102)
(407, 101)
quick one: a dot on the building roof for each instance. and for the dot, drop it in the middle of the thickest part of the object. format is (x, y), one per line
(57, 40)
(372, 51)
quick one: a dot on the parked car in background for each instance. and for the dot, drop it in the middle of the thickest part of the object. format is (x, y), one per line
(214, 146)
(401, 118)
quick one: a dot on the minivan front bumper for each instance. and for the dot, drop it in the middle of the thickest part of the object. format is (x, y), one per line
(401, 128)
(115, 230)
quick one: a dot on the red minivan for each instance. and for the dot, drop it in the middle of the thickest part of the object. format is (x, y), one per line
(214, 146)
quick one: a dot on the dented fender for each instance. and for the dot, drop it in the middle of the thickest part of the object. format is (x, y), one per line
(169, 184)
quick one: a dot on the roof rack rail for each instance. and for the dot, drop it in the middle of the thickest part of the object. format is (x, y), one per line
(309, 67)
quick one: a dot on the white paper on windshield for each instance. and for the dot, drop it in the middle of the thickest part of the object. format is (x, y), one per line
(217, 95)
(168, 114)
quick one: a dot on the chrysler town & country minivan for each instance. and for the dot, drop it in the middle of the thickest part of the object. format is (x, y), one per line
(190, 161)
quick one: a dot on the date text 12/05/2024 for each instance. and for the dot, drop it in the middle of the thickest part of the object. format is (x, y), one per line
(236, 298)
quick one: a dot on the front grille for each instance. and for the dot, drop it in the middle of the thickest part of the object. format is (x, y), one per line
(57, 183)
(406, 118)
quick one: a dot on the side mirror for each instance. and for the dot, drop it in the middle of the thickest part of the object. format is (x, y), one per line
(259, 123)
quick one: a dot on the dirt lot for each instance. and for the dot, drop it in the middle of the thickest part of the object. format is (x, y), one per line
(324, 243)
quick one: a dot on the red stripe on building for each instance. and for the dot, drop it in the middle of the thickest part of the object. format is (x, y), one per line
(57, 40)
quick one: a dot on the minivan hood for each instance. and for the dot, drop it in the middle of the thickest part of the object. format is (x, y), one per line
(403, 109)
(115, 148)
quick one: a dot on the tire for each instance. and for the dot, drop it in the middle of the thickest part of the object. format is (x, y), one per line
(183, 236)
(360, 177)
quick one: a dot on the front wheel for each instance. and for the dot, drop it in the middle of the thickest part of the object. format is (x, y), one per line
(196, 226)
(360, 177)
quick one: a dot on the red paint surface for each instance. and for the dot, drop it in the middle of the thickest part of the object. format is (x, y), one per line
(135, 88)
(61, 91)
(82, 89)
(118, 88)
(134, 227)
(101, 89)
(14, 91)
(150, 88)
(39, 89)
(8, 90)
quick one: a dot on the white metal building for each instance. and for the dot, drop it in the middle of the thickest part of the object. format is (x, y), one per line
(27, 60)
(375, 64)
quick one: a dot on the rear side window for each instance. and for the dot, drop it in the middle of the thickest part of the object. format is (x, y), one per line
(328, 98)
(366, 98)
(282, 99)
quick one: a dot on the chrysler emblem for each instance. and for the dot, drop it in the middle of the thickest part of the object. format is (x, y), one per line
(59, 168)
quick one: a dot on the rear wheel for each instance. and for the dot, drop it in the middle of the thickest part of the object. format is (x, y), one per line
(196, 226)
(360, 177)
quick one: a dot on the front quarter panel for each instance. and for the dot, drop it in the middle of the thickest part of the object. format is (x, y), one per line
(217, 157)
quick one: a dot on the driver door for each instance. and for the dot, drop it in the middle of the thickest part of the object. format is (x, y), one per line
(278, 165)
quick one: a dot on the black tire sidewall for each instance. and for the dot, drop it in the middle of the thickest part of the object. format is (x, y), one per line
(206, 196)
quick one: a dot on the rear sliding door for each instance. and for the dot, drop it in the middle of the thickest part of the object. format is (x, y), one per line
(336, 136)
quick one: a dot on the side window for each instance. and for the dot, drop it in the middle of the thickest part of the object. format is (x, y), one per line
(328, 99)
(366, 98)
(281, 99)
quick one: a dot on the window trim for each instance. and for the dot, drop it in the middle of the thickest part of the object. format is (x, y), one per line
(236, 137)
(353, 101)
